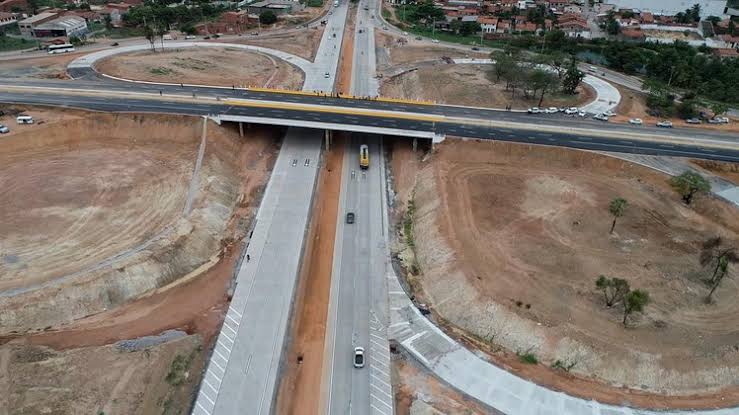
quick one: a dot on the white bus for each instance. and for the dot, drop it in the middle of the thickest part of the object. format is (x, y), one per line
(67, 47)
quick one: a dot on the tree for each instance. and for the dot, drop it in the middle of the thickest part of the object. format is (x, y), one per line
(689, 184)
(541, 81)
(267, 17)
(502, 64)
(469, 28)
(612, 26)
(687, 109)
(718, 255)
(635, 301)
(150, 35)
(614, 289)
(719, 108)
(572, 78)
(732, 28)
(108, 22)
(713, 19)
(617, 208)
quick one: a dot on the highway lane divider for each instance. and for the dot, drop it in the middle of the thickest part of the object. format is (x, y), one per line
(323, 94)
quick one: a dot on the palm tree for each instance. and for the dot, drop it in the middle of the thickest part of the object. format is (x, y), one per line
(617, 208)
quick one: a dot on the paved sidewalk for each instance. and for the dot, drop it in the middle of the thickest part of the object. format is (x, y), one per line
(484, 381)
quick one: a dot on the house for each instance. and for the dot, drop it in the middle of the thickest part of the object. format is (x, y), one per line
(731, 41)
(65, 26)
(632, 33)
(6, 19)
(647, 17)
(504, 26)
(574, 26)
(527, 27)
(26, 26)
(558, 4)
(725, 53)
(278, 7)
(572, 8)
(488, 24)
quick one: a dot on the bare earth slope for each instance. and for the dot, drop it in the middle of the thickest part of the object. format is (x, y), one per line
(511, 255)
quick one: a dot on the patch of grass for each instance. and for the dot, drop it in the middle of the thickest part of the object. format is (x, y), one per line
(314, 3)
(12, 43)
(161, 71)
(566, 366)
(528, 358)
(178, 370)
(408, 224)
(124, 32)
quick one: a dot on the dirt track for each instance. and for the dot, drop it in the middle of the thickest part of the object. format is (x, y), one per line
(516, 253)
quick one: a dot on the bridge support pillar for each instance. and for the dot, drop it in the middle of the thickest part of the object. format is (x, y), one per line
(328, 140)
(241, 129)
(415, 144)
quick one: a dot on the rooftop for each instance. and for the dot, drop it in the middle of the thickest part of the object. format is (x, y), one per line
(38, 17)
(67, 22)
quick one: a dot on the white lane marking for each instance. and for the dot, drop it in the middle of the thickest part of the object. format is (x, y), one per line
(219, 366)
(381, 381)
(382, 400)
(380, 361)
(400, 323)
(202, 408)
(379, 337)
(378, 409)
(214, 375)
(226, 336)
(228, 349)
(232, 319)
(225, 359)
(229, 327)
(396, 292)
(386, 374)
(211, 386)
(208, 398)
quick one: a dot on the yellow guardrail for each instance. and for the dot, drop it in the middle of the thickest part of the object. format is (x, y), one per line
(334, 110)
(323, 94)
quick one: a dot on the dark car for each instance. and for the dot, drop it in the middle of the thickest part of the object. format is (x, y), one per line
(114, 44)
(475, 48)
(350, 217)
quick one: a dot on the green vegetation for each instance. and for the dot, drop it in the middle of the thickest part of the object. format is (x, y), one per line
(690, 184)
(635, 301)
(616, 208)
(529, 358)
(159, 17)
(716, 254)
(11, 43)
(614, 289)
(161, 71)
(178, 370)
(563, 365)
(314, 3)
(267, 17)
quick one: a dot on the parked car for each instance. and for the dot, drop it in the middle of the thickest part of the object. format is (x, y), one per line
(475, 48)
(424, 309)
(635, 121)
(350, 218)
(609, 113)
(4, 129)
(419, 38)
(600, 117)
(721, 120)
(24, 119)
(359, 357)
(582, 114)
(571, 111)
(551, 110)
(534, 110)
(114, 44)
(189, 37)
(693, 121)
(665, 124)
(206, 37)
(435, 40)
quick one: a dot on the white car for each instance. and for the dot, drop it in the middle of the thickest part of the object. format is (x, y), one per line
(601, 117)
(327, 75)
(722, 120)
(582, 114)
(609, 113)
(435, 40)
(4, 129)
(551, 110)
(359, 357)
(534, 110)
(635, 121)
(405, 33)
(571, 111)
(665, 124)
(189, 37)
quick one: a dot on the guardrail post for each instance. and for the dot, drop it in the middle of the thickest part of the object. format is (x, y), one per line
(241, 129)
(328, 140)
(415, 144)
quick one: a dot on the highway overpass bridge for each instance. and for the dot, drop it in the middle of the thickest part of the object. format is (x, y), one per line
(387, 117)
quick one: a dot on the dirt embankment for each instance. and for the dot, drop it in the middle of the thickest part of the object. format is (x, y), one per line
(510, 257)
(206, 66)
(98, 183)
(102, 221)
(471, 85)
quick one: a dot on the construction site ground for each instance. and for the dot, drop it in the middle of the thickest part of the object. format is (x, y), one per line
(206, 66)
(508, 260)
(39, 66)
(303, 44)
(470, 85)
(146, 240)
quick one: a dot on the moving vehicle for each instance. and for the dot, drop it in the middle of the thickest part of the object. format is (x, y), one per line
(24, 119)
(475, 48)
(4, 129)
(54, 49)
(364, 157)
(665, 124)
(189, 37)
(635, 121)
(327, 75)
(336, 3)
(359, 357)
(350, 218)
(434, 40)
(114, 44)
